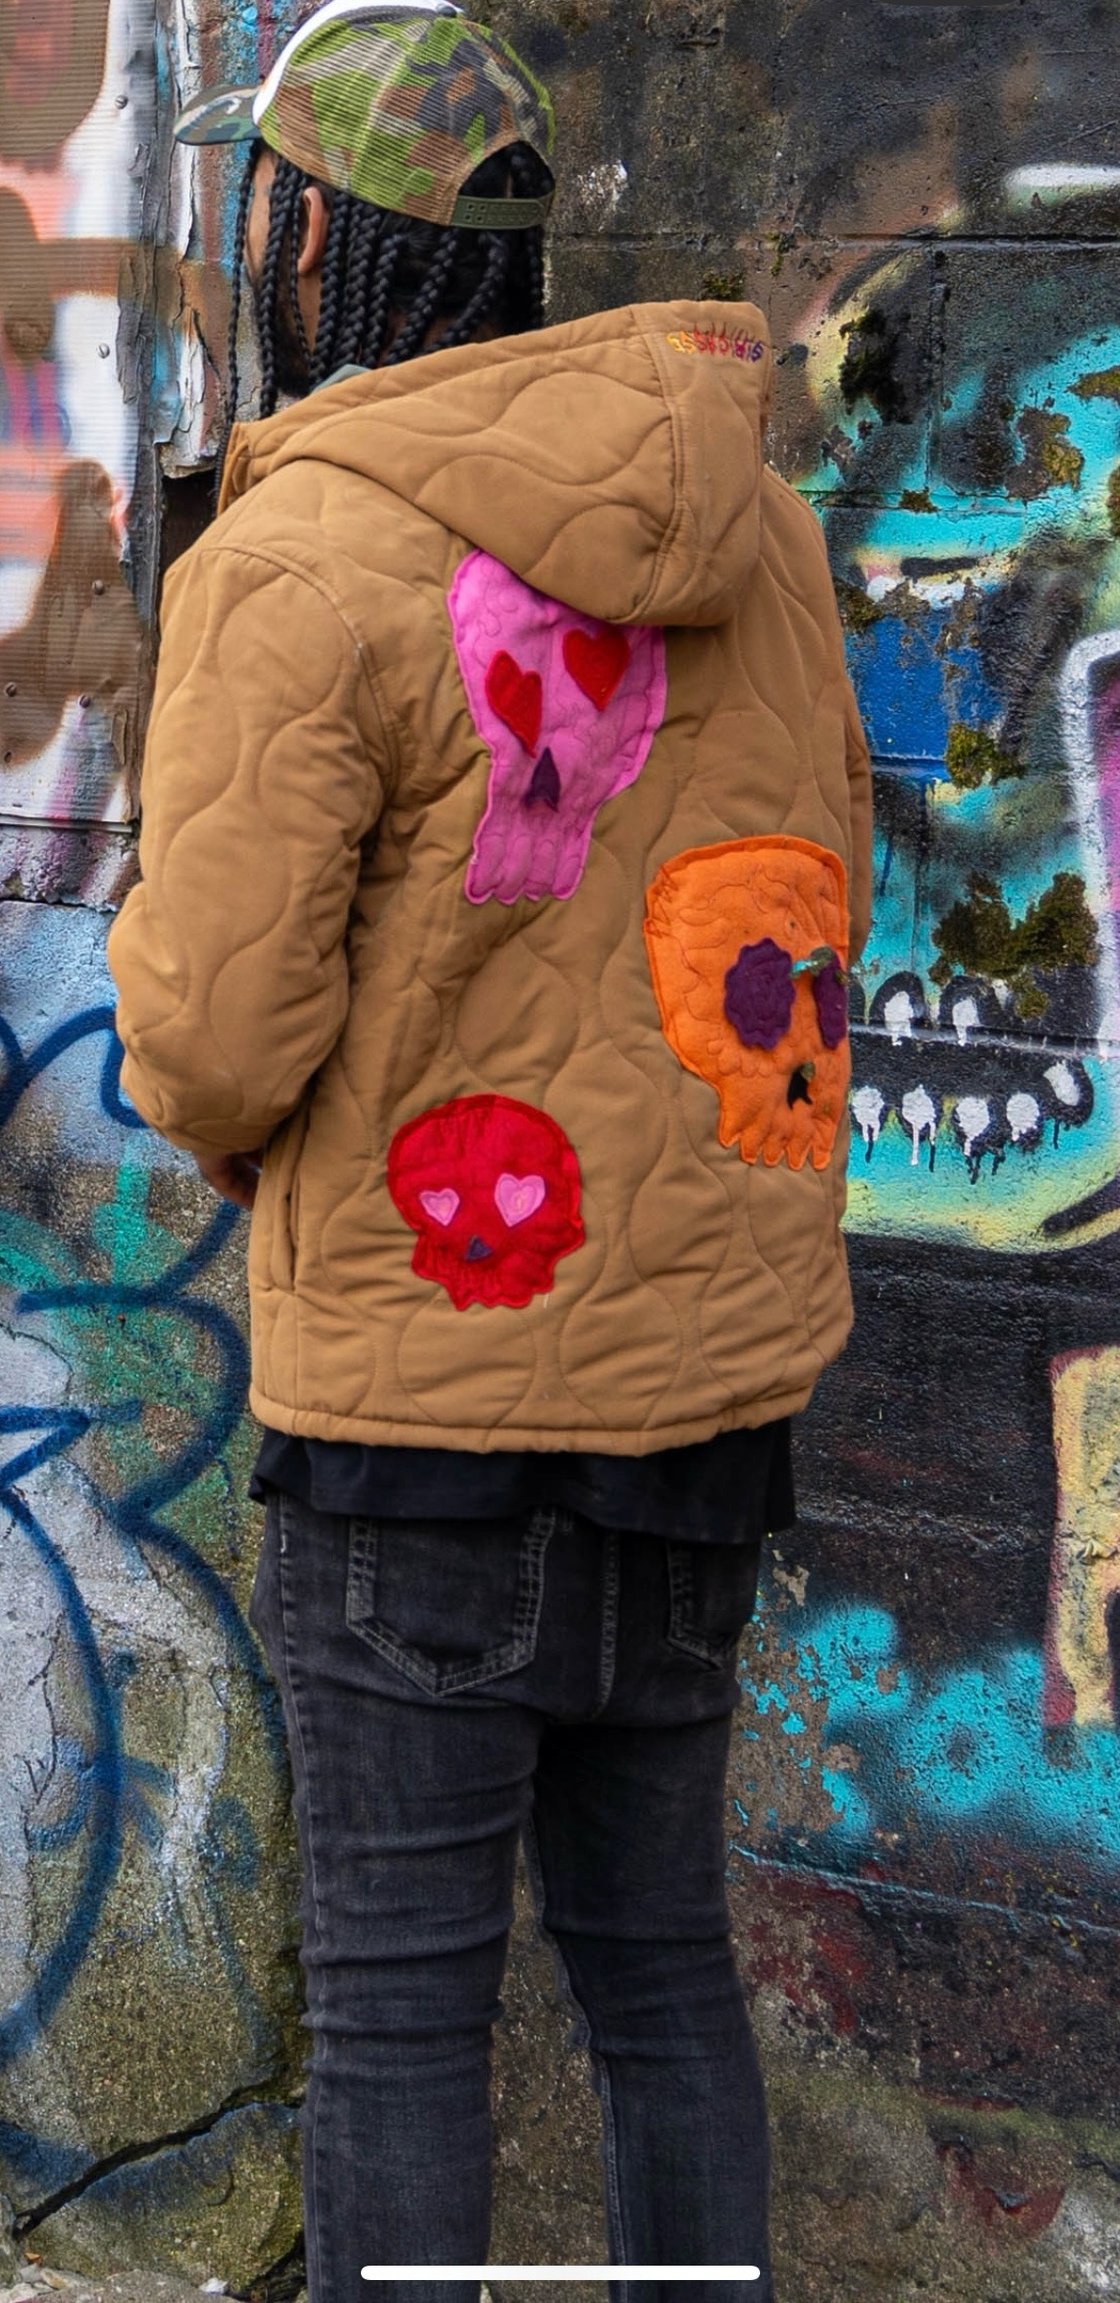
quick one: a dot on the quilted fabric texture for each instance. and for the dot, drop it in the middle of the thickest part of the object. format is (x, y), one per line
(304, 967)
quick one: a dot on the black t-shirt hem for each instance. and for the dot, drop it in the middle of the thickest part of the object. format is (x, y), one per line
(735, 1488)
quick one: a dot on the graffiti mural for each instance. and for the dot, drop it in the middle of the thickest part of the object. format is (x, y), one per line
(1083, 1618)
(976, 563)
(102, 368)
(973, 539)
(71, 658)
(932, 1732)
(925, 1813)
(144, 1820)
(143, 1793)
(948, 1756)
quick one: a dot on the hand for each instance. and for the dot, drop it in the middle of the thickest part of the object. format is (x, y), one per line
(233, 1175)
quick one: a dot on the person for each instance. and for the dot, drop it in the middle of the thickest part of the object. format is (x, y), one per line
(505, 849)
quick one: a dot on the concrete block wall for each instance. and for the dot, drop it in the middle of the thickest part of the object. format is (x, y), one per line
(924, 1811)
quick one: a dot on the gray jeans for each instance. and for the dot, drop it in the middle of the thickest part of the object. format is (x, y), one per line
(450, 1687)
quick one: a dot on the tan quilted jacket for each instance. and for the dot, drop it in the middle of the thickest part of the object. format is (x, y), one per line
(506, 826)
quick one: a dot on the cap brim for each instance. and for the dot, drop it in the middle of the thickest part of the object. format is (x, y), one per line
(221, 116)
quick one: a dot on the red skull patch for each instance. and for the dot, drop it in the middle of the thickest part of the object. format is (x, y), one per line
(491, 1187)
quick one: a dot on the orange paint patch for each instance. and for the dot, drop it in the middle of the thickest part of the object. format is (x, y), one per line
(28, 503)
(47, 195)
(702, 909)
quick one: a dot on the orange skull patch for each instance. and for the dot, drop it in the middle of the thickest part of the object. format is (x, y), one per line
(748, 947)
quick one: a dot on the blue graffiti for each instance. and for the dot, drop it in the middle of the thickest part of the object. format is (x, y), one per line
(22, 2021)
(108, 1790)
(961, 1752)
(913, 683)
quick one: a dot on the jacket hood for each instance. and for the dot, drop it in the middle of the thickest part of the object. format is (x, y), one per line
(614, 462)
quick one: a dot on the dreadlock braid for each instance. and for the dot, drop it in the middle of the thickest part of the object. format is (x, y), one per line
(365, 227)
(331, 284)
(283, 211)
(244, 201)
(427, 302)
(487, 295)
(293, 293)
(381, 292)
(525, 181)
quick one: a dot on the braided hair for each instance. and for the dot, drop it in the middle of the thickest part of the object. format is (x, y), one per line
(386, 279)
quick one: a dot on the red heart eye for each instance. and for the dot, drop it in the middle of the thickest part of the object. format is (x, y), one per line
(597, 662)
(517, 697)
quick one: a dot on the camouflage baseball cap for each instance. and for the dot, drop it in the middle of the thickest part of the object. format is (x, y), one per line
(397, 101)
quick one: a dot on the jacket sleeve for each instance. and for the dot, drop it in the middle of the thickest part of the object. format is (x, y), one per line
(857, 759)
(262, 776)
(859, 817)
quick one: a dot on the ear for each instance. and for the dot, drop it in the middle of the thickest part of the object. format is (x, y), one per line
(314, 220)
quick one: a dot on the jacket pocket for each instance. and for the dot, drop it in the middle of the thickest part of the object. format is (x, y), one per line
(286, 1149)
(449, 1603)
(712, 1591)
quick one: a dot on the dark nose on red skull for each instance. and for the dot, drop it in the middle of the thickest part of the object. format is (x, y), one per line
(491, 1187)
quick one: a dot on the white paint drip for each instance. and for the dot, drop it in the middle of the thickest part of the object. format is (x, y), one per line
(919, 1114)
(966, 1018)
(867, 1111)
(973, 1116)
(1064, 1084)
(1059, 180)
(1023, 1115)
(898, 1016)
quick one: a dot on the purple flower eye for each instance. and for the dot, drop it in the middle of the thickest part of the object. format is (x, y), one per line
(758, 994)
(830, 992)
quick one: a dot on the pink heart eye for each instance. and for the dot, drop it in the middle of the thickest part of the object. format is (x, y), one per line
(518, 1196)
(440, 1205)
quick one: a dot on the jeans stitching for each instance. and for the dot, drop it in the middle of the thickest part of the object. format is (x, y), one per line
(530, 1588)
(616, 2232)
(449, 1679)
(681, 1633)
(608, 1650)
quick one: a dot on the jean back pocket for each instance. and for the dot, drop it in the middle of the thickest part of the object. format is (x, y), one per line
(712, 1590)
(450, 1603)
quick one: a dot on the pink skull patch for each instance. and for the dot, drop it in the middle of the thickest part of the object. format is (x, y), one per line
(492, 1189)
(568, 709)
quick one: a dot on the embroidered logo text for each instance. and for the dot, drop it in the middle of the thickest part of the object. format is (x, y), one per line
(693, 340)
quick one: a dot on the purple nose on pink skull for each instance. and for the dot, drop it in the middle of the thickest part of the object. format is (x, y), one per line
(544, 784)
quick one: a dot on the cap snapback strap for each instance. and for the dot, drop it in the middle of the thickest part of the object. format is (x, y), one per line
(500, 215)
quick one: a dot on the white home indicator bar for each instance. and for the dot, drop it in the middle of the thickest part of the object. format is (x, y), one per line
(491, 2271)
